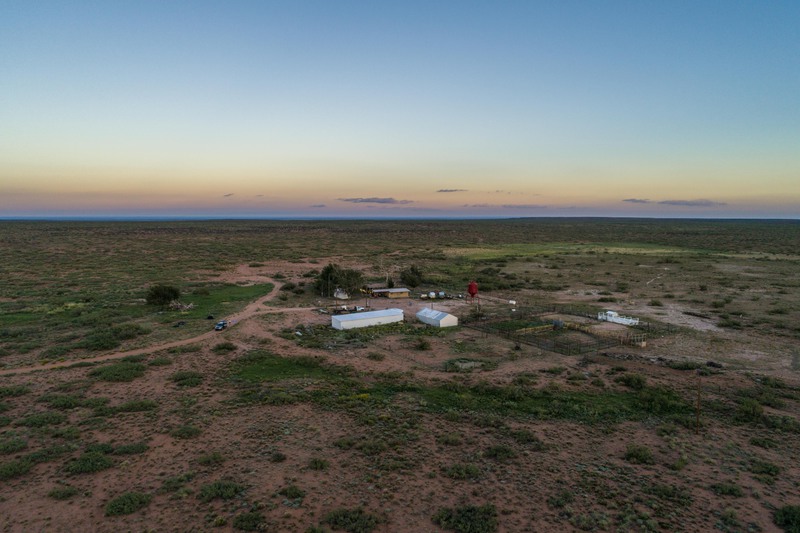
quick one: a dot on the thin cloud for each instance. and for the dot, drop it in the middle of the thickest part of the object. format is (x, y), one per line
(693, 203)
(523, 206)
(259, 195)
(375, 200)
(317, 206)
(452, 190)
(637, 201)
(227, 195)
(478, 205)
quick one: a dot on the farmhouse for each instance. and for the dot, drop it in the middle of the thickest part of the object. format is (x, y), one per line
(439, 319)
(391, 293)
(370, 318)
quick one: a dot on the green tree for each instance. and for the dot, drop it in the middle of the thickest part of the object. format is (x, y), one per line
(411, 277)
(335, 277)
(162, 294)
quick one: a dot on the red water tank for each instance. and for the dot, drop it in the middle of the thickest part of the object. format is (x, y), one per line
(472, 289)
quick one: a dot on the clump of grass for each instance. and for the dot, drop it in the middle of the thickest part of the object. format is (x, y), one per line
(88, 463)
(462, 471)
(186, 378)
(467, 519)
(727, 489)
(131, 449)
(639, 454)
(223, 490)
(523, 436)
(292, 492)
(185, 432)
(160, 361)
(318, 464)
(122, 371)
(176, 483)
(277, 457)
(47, 418)
(375, 356)
(211, 459)
(13, 391)
(128, 503)
(15, 469)
(12, 445)
(450, 439)
(561, 499)
(63, 492)
(788, 518)
(633, 381)
(252, 521)
(135, 406)
(500, 452)
(223, 347)
(352, 520)
(763, 442)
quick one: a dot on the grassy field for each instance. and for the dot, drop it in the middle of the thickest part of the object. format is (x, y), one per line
(281, 423)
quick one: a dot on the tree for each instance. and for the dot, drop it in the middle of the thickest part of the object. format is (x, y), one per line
(162, 295)
(411, 277)
(335, 277)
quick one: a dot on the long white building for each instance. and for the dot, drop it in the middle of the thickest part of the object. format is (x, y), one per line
(370, 318)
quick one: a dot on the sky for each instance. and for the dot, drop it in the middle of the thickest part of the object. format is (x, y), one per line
(433, 108)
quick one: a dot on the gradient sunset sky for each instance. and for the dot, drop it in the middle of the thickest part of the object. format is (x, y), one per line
(400, 109)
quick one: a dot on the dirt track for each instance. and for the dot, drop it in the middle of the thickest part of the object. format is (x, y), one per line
(252, 309)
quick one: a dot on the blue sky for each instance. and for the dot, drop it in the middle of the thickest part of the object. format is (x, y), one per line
(400, 109)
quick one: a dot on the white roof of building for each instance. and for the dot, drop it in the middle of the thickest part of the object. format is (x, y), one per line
(370, 314)
(432, 313)
(390, 290)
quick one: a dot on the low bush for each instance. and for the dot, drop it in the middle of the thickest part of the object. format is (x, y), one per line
(223, 490)
(468, 519)
(128, 503)
(249, 521)
(88, 463)
(639, 454)
(352, 520)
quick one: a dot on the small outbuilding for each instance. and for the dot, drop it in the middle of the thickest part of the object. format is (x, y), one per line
(616, 318)
(391, 293)
(438, 319)
(364, 320)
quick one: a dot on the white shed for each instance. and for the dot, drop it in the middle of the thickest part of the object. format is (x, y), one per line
(439, 319)
(370, 318)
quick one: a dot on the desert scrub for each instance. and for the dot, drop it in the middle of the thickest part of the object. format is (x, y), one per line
(462, 471)
(13, 391)
(634, 381)
(450, 439)
(561, 499)
(119, 372)
(128, 503)
(467, 519)
(15, 469)
(63, 492)
(727, 489)
(292, 492)
(186, 378)
(223, 490)
(224, 347)
(500, 452)
(185, 432)
(788, 518)
(131, 449)
(88, 463)
(638, 454)
(318, 464)
(12, 445)
(252, 521)
(211, 459)
(47, 418)
(352, 520)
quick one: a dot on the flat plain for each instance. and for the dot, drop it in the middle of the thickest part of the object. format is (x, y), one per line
(119, 415)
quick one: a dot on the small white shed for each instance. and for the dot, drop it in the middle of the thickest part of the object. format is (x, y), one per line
(370, 318)
(439, 319)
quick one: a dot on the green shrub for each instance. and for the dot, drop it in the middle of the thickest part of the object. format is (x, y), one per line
(352, 520)
(277, 457)
(468, 519)
(211, 459)
(561, 499)
(12, 445)
(462, 471)
(122, 371)
(185, 432)
(88, 463)
(633, 381)
(249, 521)
(292, 492)
(13, 390)
(318, 464)
(500, 452)
(186, 378)
(788, 517)
(223, 490)
(14, 469)
(223, 347)
(63, 492)
(639, 454)
(128, 503)
(47, 418)
(727, 489)
(136, 406)
(131, 449)
(161, 295)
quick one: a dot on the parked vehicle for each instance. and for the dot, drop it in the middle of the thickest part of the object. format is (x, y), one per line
(222, 324)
